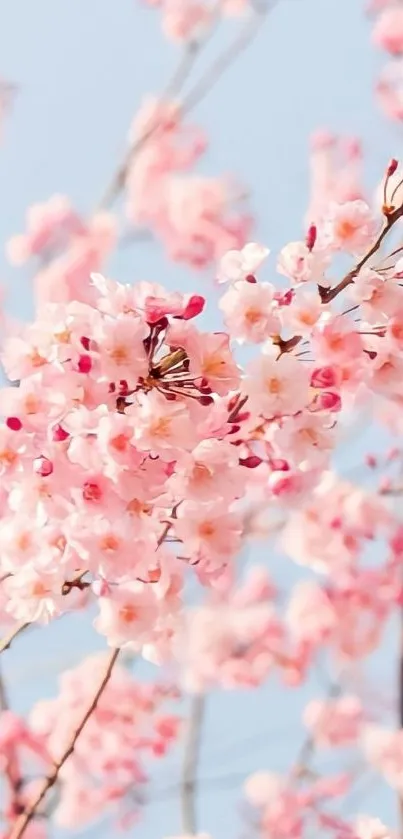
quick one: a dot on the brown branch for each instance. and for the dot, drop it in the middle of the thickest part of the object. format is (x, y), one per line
(328, 294)
(190, 764)
(5, 643)
(12, 771)
(23, 821)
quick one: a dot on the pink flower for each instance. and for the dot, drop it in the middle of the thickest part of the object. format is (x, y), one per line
(250, 312)
(237, 265)
(350, 227)
(334, 722)
(210, 472)
(127, 615)
(388, 30)
(208, 531)
(302, 265)
(310, 614)
(277, 386)
(303, 439)
(371, 828)
(123, 355)
(161, 427)
(303, 312)
(335, 340)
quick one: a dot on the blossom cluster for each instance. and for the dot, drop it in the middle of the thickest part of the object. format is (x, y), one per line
(107, 771)
(196, 217)
(387, 35)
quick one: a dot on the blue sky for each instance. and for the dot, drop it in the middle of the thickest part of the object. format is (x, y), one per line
(82, 67)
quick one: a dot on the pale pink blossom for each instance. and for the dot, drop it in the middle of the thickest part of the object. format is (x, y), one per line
(350, 227)
(237, 265)
(277, 386)
(250, 312)
(388, 30)
(302, 265)
(335, 722)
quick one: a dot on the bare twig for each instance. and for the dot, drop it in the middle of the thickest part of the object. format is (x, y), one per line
(224, 61)
(26, 817)
(195, 96)
(190, 764)
(12, 771)
(6, 642)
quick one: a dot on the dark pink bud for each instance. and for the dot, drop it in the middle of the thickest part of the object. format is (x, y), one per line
(286, 485)
(84, 364)
(206, 400)
(392, 167)
(284, 299)
(371, 461)
(324, 377)
(251, 279)
(13, 423)
(43, 466)
(85, 342)
(279, 465)
(326, 401)
(193, 307)
(59, 434)
(92, 491)
(251, 462)
(311, 236)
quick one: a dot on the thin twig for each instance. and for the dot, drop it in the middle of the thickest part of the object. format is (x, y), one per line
(24, 820)
(194, 97)
(6, 642)
(190, 764)
(224, 61)
(12, 771)
(172, 89)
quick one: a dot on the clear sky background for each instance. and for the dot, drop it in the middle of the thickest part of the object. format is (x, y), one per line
(82, 67)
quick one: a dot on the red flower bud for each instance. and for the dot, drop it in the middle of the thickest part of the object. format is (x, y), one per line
(324, 377)
(251, 462)
(84, 364)
(392, 167)
(311, 235)
(13, 423)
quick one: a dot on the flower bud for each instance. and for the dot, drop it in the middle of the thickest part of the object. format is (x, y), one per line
(43, 466)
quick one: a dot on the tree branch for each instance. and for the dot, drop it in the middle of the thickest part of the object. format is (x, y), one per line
(195, 96)
(190, 764)
(23, 821)
(6, 642)
(328, 294)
